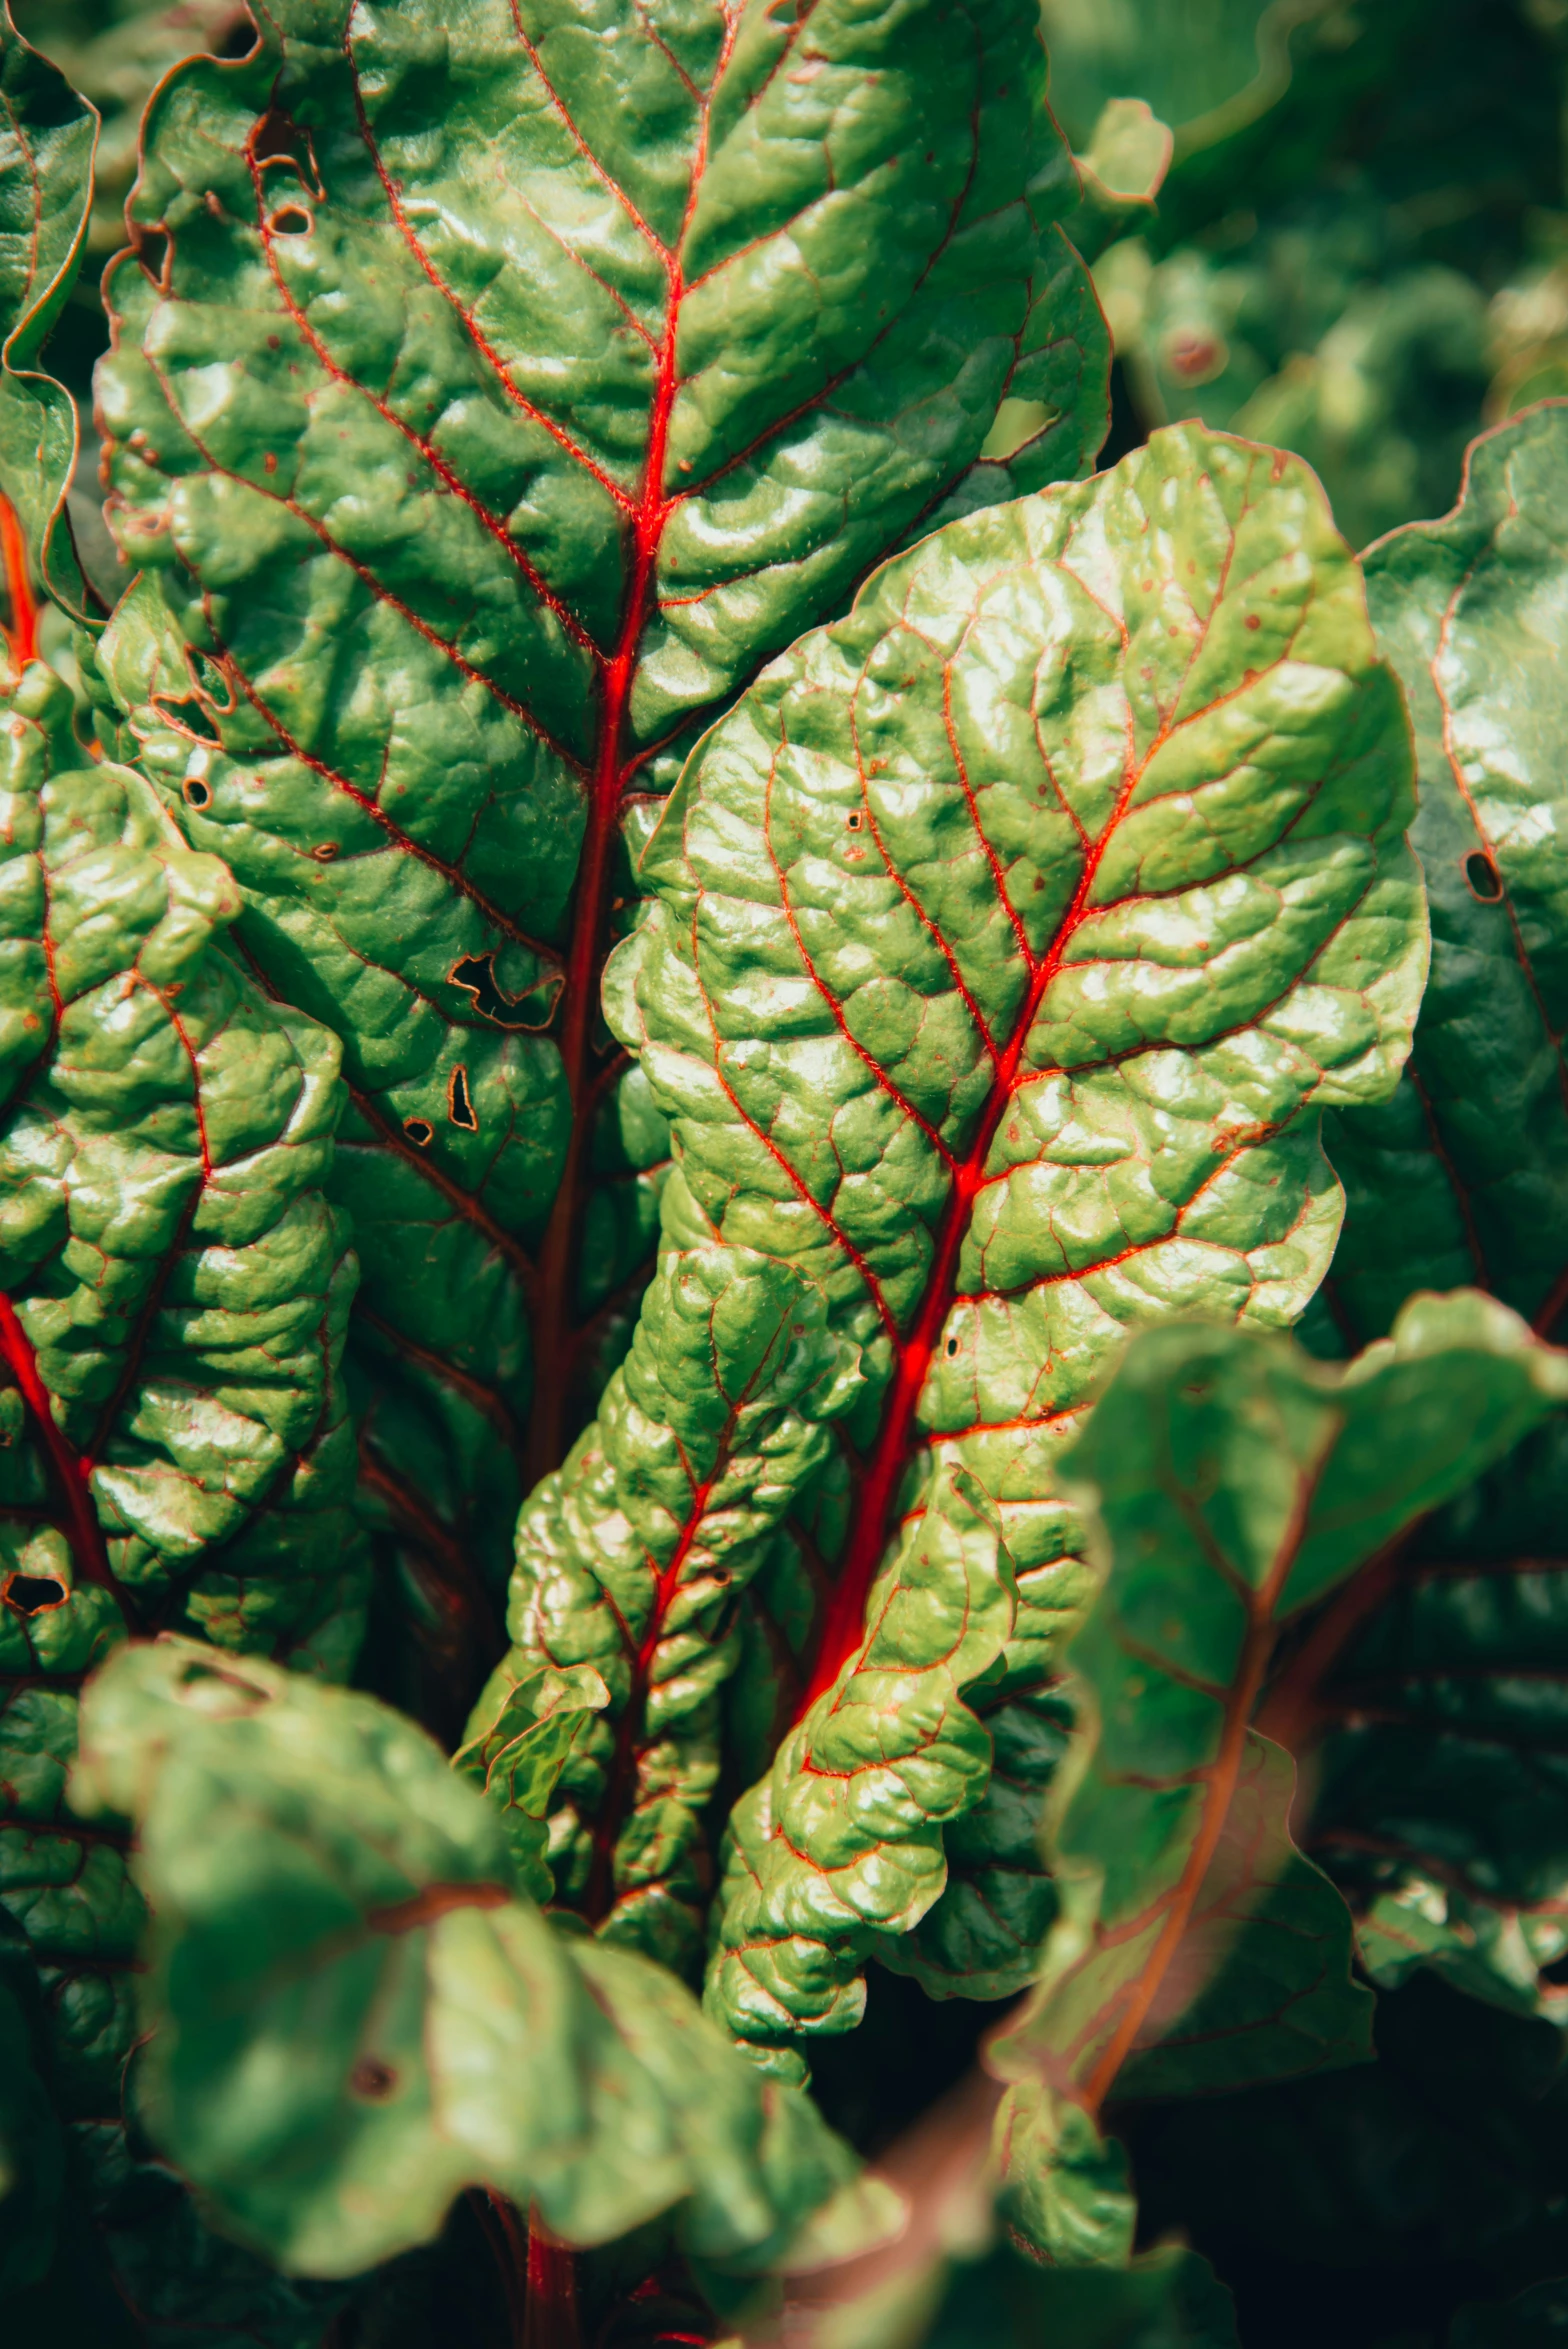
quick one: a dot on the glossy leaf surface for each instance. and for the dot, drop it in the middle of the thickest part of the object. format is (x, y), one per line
(1441, 1799)
(1008, 939)
(1235, 1483)
(356, 2015)
(491, 396)
(630, 1562)
(175, 1288)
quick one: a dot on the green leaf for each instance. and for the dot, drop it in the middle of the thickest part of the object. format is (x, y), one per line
(1234, 1483)
(488, 402)
(1434, 2176)
(631, 1560)
(173, 1292)
(46, 184)
(1434, 1702)
(1008, 939)
(518, 1758)
(354, 2016)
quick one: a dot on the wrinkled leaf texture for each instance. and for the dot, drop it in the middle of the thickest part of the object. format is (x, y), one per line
(1430, 1700)
(491, 394)
(1005, 944)
(174, 1288)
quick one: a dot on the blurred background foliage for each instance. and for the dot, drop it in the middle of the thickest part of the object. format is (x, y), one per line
(1360, 251)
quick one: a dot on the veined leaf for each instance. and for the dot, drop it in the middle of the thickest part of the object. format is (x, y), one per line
(46, 184)
(354, 2016)
(1235, 1482)
(490, 397)
(1434, 1697)
(173, 1293)
(630, 1562)
(1007, 940)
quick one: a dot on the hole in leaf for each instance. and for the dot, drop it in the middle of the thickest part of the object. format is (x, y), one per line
(324, 851)
(372, 2078)
(854, 819)
(1556, 1973)
(475, 974)
(187, 718)
(419, 1132)
(951, 1348)
(278, 139)
(459, 1108)
(195, 792)
(214, 686)
(29, 1594)
(153, 252)
(291, 220)
(1482, 878)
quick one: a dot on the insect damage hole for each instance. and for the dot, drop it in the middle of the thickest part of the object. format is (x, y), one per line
(29, 1594)
(291, 220)
(419, 1131)
(1482, 878)
(195, 792)
(459, 1107)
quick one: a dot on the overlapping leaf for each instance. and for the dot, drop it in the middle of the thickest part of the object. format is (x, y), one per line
(490, 396)
(357, 2013)
(175, 1288)
(631, 1561)
(1236, 1482)
(1007, 941)
(46, 183)
(1441, 1797)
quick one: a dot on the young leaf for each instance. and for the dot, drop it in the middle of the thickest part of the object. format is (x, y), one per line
(488, 400)
(1436, 1690)
(1234, 1482)
(518, 1758)
(46, 185)
(1007, 941)
(630, 1562)
(354, 2016)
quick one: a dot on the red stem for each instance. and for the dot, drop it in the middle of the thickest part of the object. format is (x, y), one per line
(22, 634)
(877, 1498)
(72, 1472)
(613, 769)
(551, 2321)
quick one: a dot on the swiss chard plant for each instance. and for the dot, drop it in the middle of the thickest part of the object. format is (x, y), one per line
(683, 1021)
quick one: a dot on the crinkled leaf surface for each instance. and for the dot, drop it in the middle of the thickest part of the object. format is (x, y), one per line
(1441, 1797)
(492, 392)
(173, 1292)
(47, 138)
(1008, 939)
(354, 2015)
(631, 1562)
(1235, 1481)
